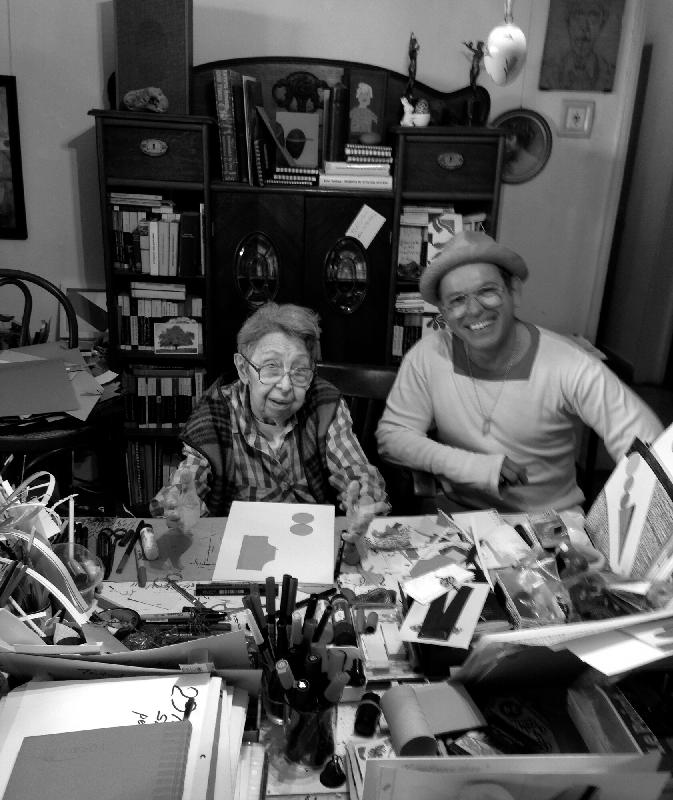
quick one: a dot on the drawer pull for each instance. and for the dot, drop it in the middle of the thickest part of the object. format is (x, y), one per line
(153, 147)
(450, 160)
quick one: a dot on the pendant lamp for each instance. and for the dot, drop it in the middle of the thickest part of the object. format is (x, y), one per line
(505, 52)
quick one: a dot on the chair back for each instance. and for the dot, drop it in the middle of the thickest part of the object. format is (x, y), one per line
(365, 389)
(22, 280)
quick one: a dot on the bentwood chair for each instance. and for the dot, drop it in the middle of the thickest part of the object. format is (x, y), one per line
(52, 446)
(365, 389)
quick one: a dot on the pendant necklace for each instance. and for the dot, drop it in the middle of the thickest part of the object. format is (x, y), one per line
(488, 418)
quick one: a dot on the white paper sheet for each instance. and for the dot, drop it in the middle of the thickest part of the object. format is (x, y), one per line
(271, 539)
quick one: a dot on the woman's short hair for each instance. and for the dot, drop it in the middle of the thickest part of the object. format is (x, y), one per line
(297, 322)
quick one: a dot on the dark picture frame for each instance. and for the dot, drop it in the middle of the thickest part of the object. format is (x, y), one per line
(12, 203)
(581, 46)
(366, 106)
(528, 144)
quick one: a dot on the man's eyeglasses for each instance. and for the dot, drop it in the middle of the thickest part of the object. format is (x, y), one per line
(269, 374)
(488, 296)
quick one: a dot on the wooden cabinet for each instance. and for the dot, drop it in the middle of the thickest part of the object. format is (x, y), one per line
(454, 169)
(291, 246)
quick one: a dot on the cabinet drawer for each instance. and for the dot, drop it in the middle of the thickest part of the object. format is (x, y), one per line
(445, 165)
(153, 153)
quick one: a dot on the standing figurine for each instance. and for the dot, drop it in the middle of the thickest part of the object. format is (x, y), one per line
(414, 49)
(477, 57)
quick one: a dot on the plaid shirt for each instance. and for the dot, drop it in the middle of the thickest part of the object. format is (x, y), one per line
(266, 473)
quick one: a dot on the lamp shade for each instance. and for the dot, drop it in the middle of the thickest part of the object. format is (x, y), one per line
(505, 53)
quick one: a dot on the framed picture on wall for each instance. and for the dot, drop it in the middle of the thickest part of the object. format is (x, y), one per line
(528, 143)
(581, 46)
(12, 205)
(367, 103)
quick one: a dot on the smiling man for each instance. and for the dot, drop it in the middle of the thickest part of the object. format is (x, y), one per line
(279, 433)
(500, 395)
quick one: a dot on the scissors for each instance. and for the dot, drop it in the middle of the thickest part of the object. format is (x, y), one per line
(106, 542)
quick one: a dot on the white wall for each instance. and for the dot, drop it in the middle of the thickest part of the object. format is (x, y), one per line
(561, 221)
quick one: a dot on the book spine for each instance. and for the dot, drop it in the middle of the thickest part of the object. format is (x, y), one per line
(338, 122)
(358, 181)
(226, 124)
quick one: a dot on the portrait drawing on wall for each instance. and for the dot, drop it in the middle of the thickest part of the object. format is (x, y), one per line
(12, 205)
(528, 143)
(581, 45)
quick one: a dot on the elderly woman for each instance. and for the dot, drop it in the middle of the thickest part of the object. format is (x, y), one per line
(279, 433)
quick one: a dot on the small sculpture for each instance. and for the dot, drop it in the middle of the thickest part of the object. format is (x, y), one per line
(414, 49)
(477, 51)
(408, 116)
(148, 99)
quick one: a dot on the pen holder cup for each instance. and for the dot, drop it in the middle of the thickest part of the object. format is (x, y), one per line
(84, 567)
(273, 698)
(309, 735)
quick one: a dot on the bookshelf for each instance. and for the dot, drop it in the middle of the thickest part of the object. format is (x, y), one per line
(154, 185)
(446, 180)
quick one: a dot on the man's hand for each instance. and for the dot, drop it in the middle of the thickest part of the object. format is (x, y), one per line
(181, 504)
(512, 474)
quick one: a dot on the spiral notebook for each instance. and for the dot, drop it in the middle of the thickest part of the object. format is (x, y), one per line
(146, 761)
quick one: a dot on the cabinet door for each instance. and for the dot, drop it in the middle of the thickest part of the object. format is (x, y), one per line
(345, 283)
(257, 256)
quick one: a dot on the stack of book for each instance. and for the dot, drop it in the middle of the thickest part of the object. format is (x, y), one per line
(157, 397)
(413, 319)
(150, 237)
(365, 167)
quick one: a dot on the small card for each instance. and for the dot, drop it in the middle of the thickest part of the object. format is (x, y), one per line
(366, 225)
(431, 585)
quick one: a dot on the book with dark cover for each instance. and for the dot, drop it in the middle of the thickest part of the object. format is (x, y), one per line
(252, 97)
(224, 81)
(189, 252)
(338, 122)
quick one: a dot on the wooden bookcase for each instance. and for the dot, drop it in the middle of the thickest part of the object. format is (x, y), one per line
(438, 167)
(168, 157)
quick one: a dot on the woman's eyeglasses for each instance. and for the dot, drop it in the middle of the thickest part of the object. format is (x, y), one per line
(270, 374)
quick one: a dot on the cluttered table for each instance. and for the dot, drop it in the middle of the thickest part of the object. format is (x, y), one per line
(414, 612)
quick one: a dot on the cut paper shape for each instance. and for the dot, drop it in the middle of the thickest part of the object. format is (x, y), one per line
(255, 552)
(301, 530)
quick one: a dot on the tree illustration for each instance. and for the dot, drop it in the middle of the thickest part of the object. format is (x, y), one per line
(175, 337)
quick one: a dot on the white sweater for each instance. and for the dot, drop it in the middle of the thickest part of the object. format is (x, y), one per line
(533, 420)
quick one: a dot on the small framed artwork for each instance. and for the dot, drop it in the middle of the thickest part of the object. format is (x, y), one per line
(528, 144)
(366, 115)
(178, 335)
(577, 118)
(12, 204)
(301, 135)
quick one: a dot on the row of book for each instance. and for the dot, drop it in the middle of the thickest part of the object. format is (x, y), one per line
(143, 323)
(149, 465)
(161, 397)
(150, 237)
(425, 230)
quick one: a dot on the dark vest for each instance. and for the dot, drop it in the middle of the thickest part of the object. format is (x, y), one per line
(208, 430)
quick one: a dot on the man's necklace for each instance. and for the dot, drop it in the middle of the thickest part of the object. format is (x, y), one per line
(487, 419)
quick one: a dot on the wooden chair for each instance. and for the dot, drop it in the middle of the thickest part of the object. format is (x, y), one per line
(51, 447)
(365, 389)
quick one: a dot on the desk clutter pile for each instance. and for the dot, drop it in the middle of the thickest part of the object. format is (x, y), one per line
(473, 656)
